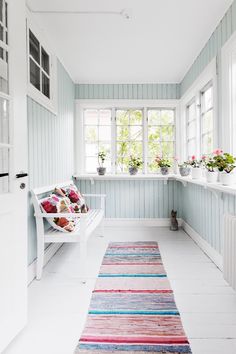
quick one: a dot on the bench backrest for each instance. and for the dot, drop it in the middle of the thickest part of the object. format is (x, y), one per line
(39, 194)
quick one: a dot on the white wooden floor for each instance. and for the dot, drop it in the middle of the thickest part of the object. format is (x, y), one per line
(58, 304)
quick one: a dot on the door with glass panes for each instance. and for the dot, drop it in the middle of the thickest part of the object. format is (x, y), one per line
(13, 168)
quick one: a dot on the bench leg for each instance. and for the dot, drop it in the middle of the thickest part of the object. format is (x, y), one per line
(83, 261)
(40, 258)
(101, 229)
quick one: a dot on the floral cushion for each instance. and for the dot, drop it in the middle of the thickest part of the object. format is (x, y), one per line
(76, 198)
(58, 204)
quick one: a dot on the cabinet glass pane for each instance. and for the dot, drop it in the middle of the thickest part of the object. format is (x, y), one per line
(4, 121)
(34, 74)
(34, 47)
(45, 61)
(45, 85)
(4, 170)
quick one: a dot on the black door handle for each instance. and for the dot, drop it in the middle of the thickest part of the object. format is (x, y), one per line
(21, 175)
(4, 174)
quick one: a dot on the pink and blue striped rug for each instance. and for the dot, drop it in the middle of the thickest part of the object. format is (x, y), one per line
(132, 307)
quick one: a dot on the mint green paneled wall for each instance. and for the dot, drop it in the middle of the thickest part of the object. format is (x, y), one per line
(51, 148)
(212, 48)
(127, 91)
(134, 199)
(204, 212)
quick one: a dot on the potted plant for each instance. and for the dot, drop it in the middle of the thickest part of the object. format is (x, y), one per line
(134, 164)
(184, 169)
(196, 167)
(211, 168)
(101, 159)
(226, 165)
(163, 164)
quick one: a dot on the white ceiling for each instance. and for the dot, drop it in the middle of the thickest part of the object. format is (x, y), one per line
(158, 44)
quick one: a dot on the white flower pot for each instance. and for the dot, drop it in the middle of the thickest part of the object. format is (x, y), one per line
(227, 179)
(196, 173)
(211, 177)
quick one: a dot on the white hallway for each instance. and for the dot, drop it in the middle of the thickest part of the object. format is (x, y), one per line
(58, 304)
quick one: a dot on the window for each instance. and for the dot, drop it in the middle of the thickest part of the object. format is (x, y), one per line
(207, 120)
(39, 66)
(97, 132)
(161, 136)
(129, 135)
(122, 132)
(191, 129)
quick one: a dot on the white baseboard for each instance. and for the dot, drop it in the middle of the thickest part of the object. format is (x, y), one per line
(134, 222)
(49, 253)
(210, 251)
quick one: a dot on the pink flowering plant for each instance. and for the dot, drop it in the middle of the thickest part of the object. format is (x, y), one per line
(209, 162)
(194, 162)
(162, 162)
(224, 161)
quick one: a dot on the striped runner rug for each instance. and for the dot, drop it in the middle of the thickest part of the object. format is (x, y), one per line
(132, 307)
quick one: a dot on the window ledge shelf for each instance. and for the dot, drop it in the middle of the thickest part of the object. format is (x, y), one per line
(123, 177)
(217, 188)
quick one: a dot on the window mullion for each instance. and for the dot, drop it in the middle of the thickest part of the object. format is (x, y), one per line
(145, 140)
(113, 142)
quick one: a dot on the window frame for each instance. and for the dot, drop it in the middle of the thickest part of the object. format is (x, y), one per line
(203, 112)
(37, 95)
(208, 75)
(191, 102)
(81, 105)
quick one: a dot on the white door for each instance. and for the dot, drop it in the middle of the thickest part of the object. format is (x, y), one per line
(13, 160)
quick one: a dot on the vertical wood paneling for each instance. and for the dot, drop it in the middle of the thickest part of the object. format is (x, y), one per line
(133, 199)
(221, 34)
(50, 139)
(127, 91)
(203, 211)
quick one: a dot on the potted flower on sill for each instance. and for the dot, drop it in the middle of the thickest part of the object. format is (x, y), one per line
(196, 167)
(163, 164)
(101, 159)
(184, 169)
(211, 169)
(135, 164)
(226, 165)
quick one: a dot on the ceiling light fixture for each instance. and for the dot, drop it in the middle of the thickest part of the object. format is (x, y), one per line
(125, 13)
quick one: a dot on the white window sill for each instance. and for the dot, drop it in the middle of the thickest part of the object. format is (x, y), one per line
(118, 177)
(217, 188)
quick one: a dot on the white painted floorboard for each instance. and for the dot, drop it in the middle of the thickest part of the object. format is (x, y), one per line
(58, 304)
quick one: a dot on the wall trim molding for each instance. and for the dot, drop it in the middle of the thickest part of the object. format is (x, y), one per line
(216, 257)
(48, 254)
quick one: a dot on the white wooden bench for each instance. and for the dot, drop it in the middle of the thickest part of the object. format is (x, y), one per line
(87, 223)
